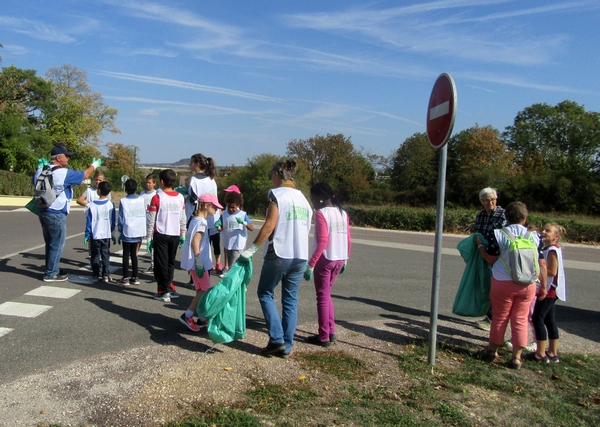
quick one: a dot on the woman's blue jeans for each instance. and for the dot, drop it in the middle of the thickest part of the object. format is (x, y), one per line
(54, 228)
(289, 272)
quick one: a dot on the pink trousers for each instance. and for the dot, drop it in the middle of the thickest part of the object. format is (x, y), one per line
(510, 302)
(325, 274)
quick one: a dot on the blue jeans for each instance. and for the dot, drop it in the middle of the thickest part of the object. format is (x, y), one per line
(289, 272)
(54, 229)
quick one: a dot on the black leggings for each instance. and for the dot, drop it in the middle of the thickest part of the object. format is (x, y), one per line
(130, 250)
(543, 318)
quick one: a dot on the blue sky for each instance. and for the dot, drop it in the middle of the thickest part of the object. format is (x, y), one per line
(233, 79)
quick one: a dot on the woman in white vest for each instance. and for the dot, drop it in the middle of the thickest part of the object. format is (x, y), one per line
(285, 230)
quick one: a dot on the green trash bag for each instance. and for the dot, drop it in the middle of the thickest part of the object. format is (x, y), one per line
(224, 305)
(473, 295)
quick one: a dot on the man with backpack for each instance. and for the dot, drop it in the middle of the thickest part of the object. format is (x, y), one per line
(53, 211)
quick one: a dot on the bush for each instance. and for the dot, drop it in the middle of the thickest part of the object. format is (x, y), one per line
(15, 184)
(456, 221)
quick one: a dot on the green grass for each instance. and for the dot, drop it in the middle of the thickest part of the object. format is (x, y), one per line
(459, 390)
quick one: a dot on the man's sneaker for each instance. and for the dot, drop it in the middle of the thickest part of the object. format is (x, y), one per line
(189, 323)
(124, 281)
(174, 294)
(484, 324)
(134, 281)
(57, 278)
(166, 297)
(282, 354)
(273, 348)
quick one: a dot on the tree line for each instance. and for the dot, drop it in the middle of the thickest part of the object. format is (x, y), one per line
(549, 157)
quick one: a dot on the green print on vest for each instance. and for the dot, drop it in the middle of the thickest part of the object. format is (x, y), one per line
(337, 227)
(297, 213)
(103, 214)
(133, 213)
(170, 207)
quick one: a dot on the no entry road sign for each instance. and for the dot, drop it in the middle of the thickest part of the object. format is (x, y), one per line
(441, 110)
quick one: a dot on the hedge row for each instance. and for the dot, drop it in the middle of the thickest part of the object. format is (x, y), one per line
(460, 221)
(16, 184)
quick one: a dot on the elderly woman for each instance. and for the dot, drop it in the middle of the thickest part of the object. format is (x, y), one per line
(285, 230)
(510, 300)
(490, 218)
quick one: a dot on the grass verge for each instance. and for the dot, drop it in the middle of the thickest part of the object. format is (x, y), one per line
(338, 389)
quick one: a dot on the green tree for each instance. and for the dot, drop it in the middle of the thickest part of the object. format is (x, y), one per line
(27, 103)
(253, 181)
(558, 149)
(415, 170)
(121, 160)
(477, 158)
(82, 117)
(333, 159)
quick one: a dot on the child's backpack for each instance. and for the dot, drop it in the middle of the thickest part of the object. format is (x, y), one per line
(43, 193)
(523, 264)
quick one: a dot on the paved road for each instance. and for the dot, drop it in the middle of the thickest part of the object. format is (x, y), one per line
(44, 325)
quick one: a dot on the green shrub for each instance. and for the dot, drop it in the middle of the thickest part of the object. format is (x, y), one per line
(456, 221)
(15, 184)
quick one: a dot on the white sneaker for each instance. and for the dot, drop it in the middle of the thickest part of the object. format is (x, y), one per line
(531, 347)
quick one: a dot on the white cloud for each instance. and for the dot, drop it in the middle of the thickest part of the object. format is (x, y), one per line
(35, 29)
(185, 85)
(149, 113)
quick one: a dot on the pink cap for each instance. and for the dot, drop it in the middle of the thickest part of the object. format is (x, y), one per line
(210, 198)
(232, 189)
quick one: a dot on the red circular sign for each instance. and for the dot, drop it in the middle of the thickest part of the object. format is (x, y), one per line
(441, 110)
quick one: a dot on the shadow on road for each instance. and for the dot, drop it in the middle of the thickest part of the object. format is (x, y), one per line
(157, 325)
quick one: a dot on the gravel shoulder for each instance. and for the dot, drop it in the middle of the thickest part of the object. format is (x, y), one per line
(155, 384)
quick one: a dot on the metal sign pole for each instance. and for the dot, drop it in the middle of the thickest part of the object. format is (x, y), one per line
(437, 254)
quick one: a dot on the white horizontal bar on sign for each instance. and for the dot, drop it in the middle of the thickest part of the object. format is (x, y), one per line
(439, 110)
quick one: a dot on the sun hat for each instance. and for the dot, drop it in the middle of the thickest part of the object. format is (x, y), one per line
(210, 198)
(232, 189)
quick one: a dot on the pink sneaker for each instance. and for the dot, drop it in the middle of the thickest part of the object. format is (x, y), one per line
(189, 322)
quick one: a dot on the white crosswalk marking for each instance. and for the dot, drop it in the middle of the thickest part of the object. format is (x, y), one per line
(53, 292)
(4, 331)
(20, 309)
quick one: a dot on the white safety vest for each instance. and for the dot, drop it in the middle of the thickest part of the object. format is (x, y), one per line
(134, 217)
(168, 217)
(234, 234)
(337, 226)
(290, 238)
(197, 224)
(561, 281)
(101, 224)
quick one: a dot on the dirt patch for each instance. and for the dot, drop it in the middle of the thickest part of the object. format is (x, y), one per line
(153, 385)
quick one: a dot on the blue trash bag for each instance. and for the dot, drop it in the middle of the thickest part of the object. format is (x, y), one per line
(473, 295)
(224, 305)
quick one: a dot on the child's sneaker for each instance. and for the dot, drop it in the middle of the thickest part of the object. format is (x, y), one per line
(134, 281)
(174, 294)
(201, 323)
(124, 281)
(189, 323)
(107, 279)
(219, 269)
(166, 297)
